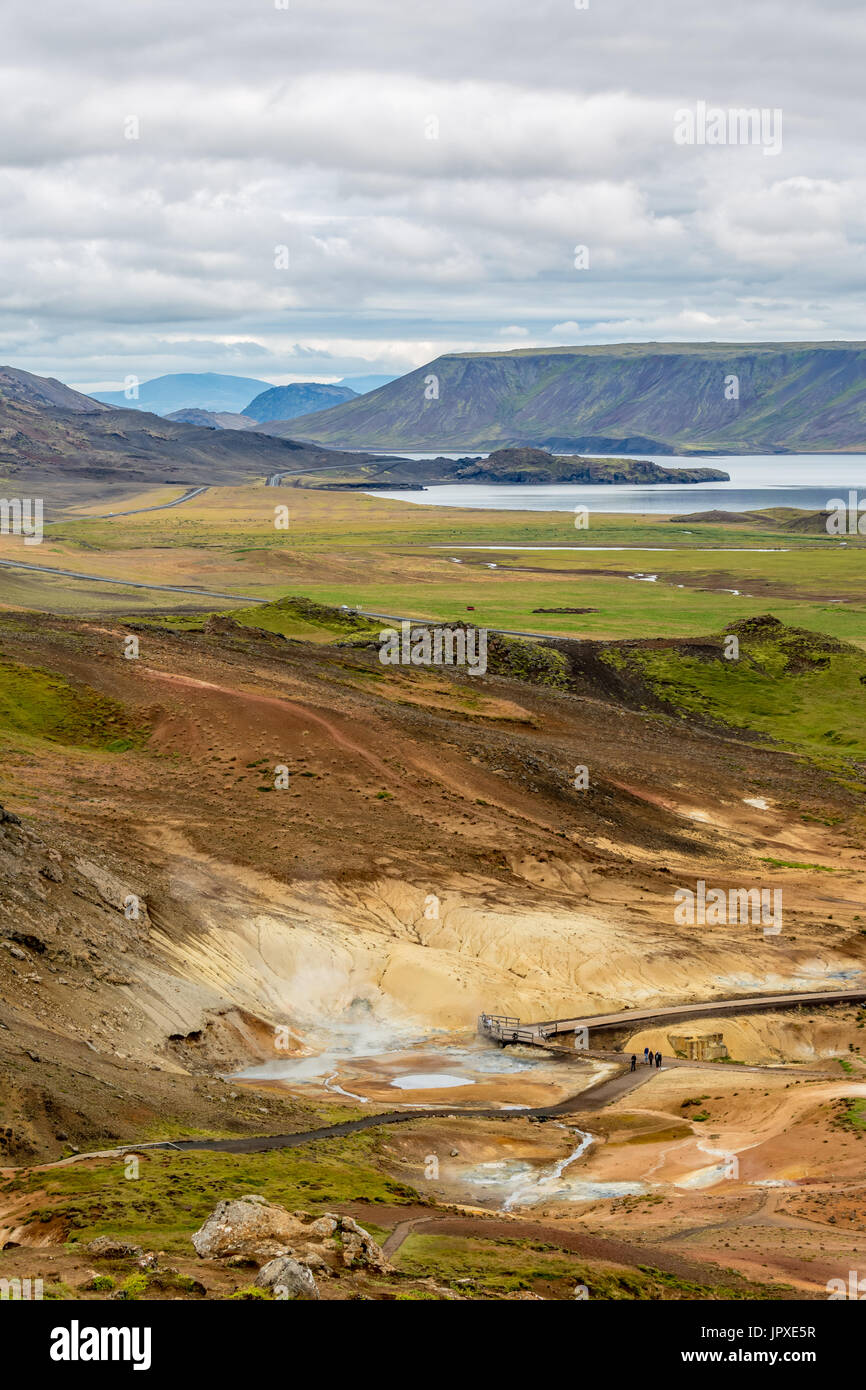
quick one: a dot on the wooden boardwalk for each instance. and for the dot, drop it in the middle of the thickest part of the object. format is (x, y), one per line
(505, 1028)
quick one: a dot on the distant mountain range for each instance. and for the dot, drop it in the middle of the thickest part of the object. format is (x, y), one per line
(633, 399)
(64, 446)
(659, 398)
(300, 398)
(185, 390)
(220, 395)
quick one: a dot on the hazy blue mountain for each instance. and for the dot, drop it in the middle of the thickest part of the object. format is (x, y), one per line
(221, 394)
(300, 398)
(188, 390)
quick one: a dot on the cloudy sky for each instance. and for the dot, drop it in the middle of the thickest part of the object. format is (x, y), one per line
(345, 186)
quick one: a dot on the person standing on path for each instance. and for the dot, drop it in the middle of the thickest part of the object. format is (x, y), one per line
(633, 1061)
(645, 1055)
(658, 1060)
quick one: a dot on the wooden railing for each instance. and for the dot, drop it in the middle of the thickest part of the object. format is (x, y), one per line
(505, 1028)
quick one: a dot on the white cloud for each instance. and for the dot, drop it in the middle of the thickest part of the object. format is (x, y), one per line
(307, 128)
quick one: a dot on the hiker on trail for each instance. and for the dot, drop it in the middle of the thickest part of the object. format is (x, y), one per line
(633, 1061)
(646, 1055)
(658, 1059)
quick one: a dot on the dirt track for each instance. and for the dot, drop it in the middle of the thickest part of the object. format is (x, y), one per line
(594, 1098)
(591, 1247)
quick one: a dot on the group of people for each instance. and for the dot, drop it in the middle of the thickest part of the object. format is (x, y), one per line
(650, 1058)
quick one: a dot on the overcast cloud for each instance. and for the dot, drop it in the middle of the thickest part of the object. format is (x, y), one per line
(430, 169)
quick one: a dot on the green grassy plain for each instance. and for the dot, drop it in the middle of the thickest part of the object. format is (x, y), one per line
(390, 556)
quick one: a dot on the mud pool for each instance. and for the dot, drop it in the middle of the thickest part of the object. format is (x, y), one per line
(382, 1066)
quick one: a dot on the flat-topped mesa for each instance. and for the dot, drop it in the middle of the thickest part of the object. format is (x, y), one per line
(638, 399)
(527, 465)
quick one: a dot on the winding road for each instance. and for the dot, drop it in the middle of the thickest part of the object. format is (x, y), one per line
(160, 506)
(134, 511)
(588, 1101)
(129, 583)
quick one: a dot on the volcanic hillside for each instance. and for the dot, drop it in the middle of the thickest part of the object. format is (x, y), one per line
(64, 446)
(159, 782)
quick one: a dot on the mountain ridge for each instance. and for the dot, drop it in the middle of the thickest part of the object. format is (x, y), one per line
(663, 398)
(211, 419)
(221, 393)
(213, 391)
(30, 390)
(66, 447)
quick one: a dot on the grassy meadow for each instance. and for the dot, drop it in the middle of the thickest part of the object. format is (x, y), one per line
(390, 556)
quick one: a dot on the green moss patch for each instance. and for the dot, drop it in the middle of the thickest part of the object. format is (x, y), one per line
(40, 705)
(795, 686)
(175, 1192)
(492, 1268)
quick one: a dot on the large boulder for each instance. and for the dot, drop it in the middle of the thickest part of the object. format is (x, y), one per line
(251, 1228)
(288, 1279)
(248, 1226)
(360, 1250)
(322, 1228)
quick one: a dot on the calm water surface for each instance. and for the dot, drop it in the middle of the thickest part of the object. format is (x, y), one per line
(757, 480)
